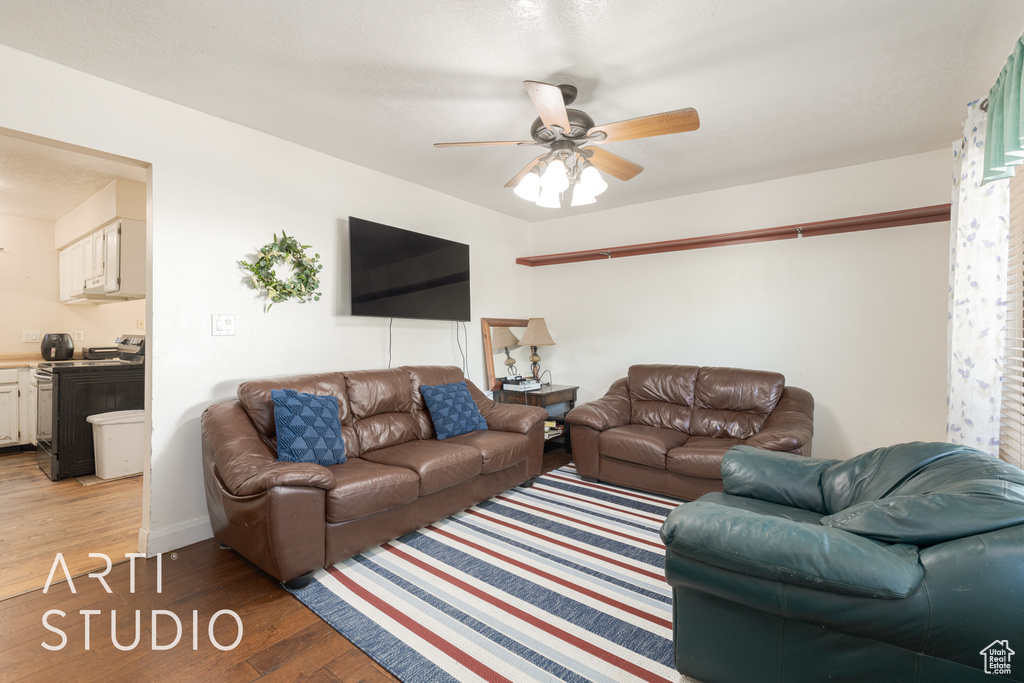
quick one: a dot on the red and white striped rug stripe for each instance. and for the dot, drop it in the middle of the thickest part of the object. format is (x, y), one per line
(563, 581)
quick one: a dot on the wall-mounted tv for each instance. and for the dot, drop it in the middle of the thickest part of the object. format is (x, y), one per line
(398, 273)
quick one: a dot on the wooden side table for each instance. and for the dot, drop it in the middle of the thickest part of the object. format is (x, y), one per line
(549, 395)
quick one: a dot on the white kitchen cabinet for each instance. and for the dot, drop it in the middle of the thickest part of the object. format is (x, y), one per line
(105, 266)
(125, 259)
(10, 408)
(93, 259)
(30, 424)
(72, 272)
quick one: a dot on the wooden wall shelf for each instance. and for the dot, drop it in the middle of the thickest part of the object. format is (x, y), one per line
(875, 221)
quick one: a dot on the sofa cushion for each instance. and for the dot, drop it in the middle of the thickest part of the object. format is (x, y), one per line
(732, 402)
(452, 410)
(774, 548)
(960, 493)
(498, 450)
(782, 478)
(439, 464)
(763, 507)
(366, 488)
(640, 444)
(662, 395)
(308, 428)
(877, 473)
(259, 406)
(700, 456)
(381, 402)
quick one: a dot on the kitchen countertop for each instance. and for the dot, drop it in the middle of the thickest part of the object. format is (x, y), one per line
(20, 360)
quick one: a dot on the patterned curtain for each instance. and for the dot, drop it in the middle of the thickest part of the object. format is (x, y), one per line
(977, 292)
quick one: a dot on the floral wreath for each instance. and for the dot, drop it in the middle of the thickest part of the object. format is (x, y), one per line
(304, 283)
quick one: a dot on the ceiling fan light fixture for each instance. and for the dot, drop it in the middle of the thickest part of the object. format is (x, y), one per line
(529, 187)
(591, 181)
(580, 196)
(549, 199)
(555, 178)
(564, 132)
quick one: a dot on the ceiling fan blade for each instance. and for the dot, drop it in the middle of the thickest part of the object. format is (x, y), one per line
(550, 104)
(678, 121)
(488, 143)
(613, 164)
(526, 169)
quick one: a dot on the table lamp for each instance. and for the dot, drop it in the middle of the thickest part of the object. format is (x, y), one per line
(502, 337)
(536, 335)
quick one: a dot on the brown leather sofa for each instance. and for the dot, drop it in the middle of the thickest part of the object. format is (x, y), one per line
(293, 518)
(665, 428)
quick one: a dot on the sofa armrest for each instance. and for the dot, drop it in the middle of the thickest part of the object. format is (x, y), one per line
(507, 417)
(611, 410)
(790, 426)
(782, 478)
(244, 463)
(791, 552)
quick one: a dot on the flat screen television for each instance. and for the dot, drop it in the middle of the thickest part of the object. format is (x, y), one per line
(398, 273)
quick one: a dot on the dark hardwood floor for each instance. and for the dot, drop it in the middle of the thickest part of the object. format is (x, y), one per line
(281, 640)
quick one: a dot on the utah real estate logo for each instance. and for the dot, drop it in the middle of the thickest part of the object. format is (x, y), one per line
(997, 657)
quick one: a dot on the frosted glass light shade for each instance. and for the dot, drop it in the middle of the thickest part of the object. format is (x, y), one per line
(529, 187)
(580, 196)
(556, 177)
(549, 199)
(592, 182)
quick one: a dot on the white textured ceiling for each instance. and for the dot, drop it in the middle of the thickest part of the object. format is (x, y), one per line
(45, 181)
(783, 87)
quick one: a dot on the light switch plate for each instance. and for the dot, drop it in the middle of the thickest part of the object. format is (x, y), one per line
(223, 324)
(30, 335)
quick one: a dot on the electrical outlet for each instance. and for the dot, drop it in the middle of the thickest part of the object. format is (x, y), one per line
(140, 324)
(30, 335)
(79, 335)
(223, 324)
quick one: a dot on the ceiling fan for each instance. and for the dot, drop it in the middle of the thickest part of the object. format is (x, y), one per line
(568, 163)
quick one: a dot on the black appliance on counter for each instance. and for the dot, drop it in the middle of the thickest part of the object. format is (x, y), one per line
(100, 352)
(57, 346)
(68, 391)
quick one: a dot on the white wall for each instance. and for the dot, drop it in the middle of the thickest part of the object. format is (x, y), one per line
(859, 320)
(29, 292)
(220, 191)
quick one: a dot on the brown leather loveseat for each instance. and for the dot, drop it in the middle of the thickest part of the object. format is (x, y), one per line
(665, 428)
(291, 518)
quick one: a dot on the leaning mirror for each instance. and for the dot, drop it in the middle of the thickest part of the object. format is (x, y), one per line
(499, 339)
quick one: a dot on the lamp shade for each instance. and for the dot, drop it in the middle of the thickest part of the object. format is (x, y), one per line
(537, 334)
(502, 337)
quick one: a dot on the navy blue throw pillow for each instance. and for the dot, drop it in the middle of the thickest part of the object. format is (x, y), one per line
(308, 428)
(452, 409)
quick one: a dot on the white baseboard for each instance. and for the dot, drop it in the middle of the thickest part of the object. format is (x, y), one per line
(153, 542)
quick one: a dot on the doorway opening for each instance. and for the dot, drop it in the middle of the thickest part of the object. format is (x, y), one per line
(65, 215)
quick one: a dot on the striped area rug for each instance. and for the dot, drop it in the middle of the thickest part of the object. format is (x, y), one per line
(563, 581)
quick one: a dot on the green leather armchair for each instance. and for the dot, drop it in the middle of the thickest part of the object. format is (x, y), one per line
(905, 563)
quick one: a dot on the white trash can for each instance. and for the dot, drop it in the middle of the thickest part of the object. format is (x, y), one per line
(118, 438)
